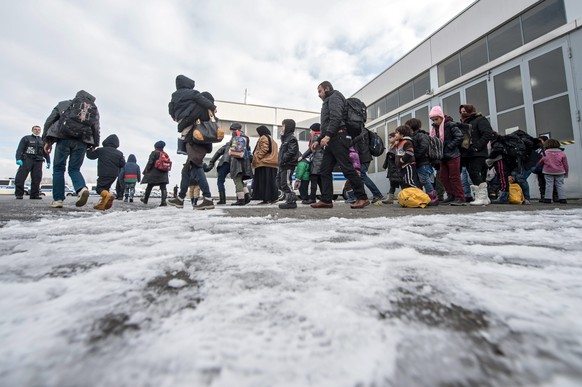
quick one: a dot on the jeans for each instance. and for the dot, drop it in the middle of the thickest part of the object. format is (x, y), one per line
(521, 179)
(368, 182)
(466, 182)
(223, 171)
(425, 175)
(284, 179)
(198, 174)
(129, 190)
(74, 150)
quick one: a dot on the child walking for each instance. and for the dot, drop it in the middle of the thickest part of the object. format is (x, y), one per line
(109, 162)
(555, 169)
(404, 159)
(392, 172)
(131, 175)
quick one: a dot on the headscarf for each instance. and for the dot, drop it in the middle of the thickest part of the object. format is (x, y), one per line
(263, 131)
(470, 111)
(437, 111)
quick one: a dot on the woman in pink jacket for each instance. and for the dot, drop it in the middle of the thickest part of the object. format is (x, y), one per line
(555, 169)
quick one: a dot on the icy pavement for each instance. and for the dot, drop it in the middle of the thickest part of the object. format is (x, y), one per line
(198, 298)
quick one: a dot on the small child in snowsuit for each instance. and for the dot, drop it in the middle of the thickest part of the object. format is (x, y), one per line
(130, 175)
(109, 162)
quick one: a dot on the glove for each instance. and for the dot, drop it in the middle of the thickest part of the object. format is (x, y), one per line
(207, 168)
(48, 165)
(19, 162)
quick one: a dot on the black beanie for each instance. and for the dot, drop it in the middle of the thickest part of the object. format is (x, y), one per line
(316, 127)
(160, 145)
(235, 126)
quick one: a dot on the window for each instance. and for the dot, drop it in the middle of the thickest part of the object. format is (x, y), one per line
(547, 16)
(302, 134)
(477, 96)
(405, 93)
(450, 105)
(554, 116)
(504, 39)
(474, 56)
(421, 85)
(512, 119)
(373, 111)
(381, 107)
(547, 75)
(449, 69)
(392, 101)
(508, 89)
(422, 115)
(405, 118)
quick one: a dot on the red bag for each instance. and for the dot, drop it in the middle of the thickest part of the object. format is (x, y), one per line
(163, 163)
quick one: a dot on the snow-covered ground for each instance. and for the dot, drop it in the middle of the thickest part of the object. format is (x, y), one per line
(194, 298)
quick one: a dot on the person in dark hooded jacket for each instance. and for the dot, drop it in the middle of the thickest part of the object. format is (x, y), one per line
(187, 104)
(315, 157)
(109, 162)
(130, 174)
(288, 155)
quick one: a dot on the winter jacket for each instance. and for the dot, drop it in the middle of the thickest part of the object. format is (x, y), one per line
(109, 159)
(187, 104)
(266, 153)
(481, 134)
(554, 162)
(131, 173)
(222, 154)
(332, 113)
(362, 145)
(31, 147)
(404, 153)
(392, 171)
(302, 170)
(453, 139)
(289, 151)
(52, 131)
(241, 166)
(421, 144)
(152, 175)
(316, 157)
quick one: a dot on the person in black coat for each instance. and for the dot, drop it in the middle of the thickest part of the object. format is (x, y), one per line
(288, 155)
(155, 177)
(29, 157)
(110, 160)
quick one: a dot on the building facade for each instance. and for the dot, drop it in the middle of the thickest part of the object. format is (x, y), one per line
(518, 62)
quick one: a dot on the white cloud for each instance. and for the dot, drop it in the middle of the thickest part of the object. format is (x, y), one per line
(128, 54)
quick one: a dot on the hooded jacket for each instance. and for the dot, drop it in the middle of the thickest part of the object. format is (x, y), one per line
(131, 173)
(289, 151)
(481, 132)
(184, 101)
(52, 131)
(554, 162)
(109, 159)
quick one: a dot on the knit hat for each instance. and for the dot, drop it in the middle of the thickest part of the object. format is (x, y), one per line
(315, 127)
(437, 111)
(235, 126)
(160, 145)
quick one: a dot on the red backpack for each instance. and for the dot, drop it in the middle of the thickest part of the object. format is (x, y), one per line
(163, 163)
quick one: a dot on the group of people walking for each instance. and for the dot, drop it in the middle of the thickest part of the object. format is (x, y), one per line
(457, 176)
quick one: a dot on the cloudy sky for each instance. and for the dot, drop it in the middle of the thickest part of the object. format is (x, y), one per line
(128, 53)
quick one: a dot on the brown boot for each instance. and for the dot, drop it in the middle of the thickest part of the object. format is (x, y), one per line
(102, 201)
(109, 200)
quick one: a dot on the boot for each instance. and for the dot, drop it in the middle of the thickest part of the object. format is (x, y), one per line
(290, 203)
(163, 203)
(240, 199)
(481, 195)
(207, 204)
(448, 200)
(503, 198)
(434, 200)
(222, 197)
(351, 197)
(247, 197)
(103, 201)
(389, 199)
(109, 200)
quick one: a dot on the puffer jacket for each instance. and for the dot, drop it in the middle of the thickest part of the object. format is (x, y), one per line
(184, 101)
(404, 152)
(421, 144)
(481, 134)
(289, 151)
(109, 159)
(332, 113)
(261, 155)
(453, 138)
(554, 162)
(131, 173)
(392, 171)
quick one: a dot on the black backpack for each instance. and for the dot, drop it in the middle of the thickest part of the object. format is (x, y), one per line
(435, 149)
(375, 144)
(515, 147)
(79, 118)
(356, 116)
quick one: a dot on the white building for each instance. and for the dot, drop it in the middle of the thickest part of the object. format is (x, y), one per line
(519, 62)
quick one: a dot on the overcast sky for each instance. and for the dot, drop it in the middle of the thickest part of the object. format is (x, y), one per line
(128, 53)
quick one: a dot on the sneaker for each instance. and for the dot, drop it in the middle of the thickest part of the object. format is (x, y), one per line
(143, 201)
(563, 201)
(35, 198)
(526, 202)
(19, 197)
(378, 198)
(448, 200)
(57, 204)
(458, 202)
(288, 206)
(83, 197)
(207, 204)
(176, 202)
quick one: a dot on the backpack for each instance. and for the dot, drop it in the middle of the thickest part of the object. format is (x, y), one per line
(514, 147)
(375, 144)
(163, 163)
(435, 148)
(238, 146)
(356, 116)
(413, 197)
(466, 129)
(79, 117)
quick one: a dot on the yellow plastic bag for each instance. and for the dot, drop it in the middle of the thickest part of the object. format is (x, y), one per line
(515, 194)
(413, 198)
